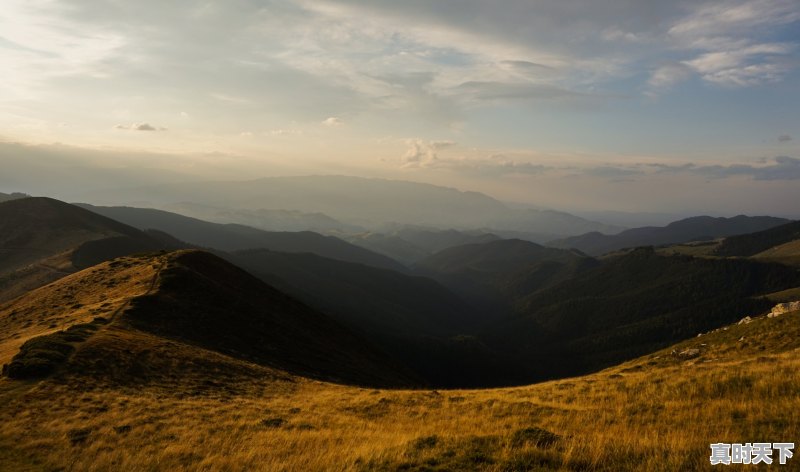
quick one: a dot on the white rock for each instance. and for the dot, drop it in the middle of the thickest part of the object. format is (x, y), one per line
(782, 308)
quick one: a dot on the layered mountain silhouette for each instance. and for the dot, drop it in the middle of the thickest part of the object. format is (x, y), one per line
(633, 304)
(409, 244)
(483, 314)
(498, 272)
(42, 239)
(758, 242)
(370, 203)
(182, 306)
(266, 219)
(4, 197)
(233, 237)
(690, 229)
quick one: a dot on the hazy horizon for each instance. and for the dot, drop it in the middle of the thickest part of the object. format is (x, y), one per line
(671, 107)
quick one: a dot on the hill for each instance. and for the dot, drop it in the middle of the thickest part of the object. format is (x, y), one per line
(185, 300)
(731, 385)
(498, 272)
(370, 203)
(233, 237)
(266, 219)
(367, 298)
(4, 197)
(42, 239)
(415, 319)
(634, 304)
(690, 229)
(746, 245)
(409, 244)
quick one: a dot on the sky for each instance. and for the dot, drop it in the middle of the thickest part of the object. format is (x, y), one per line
(628, 105)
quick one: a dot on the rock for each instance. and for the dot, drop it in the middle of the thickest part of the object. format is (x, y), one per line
(782, 308)
(689, 353)
(745, 320)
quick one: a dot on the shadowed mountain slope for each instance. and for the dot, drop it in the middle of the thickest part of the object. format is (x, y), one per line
(746, 245)
(368, 298)
(634, 304)
(4, 197)
(233, 237)
(189, 300)
(689, 229)
(42, 239)
(409, 245)
(501, 271)
(415, 319)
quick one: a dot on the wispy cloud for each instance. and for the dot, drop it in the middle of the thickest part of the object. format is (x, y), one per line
(140, 127)
(779, 168)
(332, 121)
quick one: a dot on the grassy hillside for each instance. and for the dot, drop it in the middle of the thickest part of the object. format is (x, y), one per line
(634, 304)
(497, 272)
(699, 228)
(234, 237)
(42, 239)
(751, 244)
(206, 411)
(415, 319)
(191, 298)
(372, 299)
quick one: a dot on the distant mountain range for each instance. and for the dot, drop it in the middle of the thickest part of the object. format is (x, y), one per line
(269, 220)
(234, 237)
(629, 305)
(690, 229)
(42, 239)
(369, 203)
(497, 272)
(499, 312)
(4, 197)
(191, 309)
(410, 244)
(757, 242)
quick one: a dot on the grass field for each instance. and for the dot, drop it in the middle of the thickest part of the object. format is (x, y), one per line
(659, 412)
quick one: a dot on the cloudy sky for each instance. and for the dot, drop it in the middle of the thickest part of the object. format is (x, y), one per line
(634, 105)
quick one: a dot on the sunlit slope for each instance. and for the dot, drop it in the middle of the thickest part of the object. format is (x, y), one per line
(755, 243)
(42, 239)
(100, 291)
(656, 413)
(188, 298)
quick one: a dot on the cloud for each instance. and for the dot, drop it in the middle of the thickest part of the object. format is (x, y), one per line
(778, 168)
(612, 172)
(729, 36)
(514, 91)
(332, 121)
(422, 154)
(669, 74)
(724, 17)
(140, 127)
(746, 66)
(784, 138)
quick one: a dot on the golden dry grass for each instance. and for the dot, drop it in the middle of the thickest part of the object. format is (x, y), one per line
(659, 412)
(132, 401)
(77, 298)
